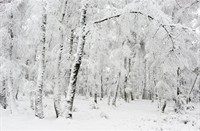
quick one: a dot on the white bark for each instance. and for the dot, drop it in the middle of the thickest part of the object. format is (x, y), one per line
(144, 95)
(101, 94)
(193, 85)
(10, 89)
(40, 79)
(57, 88)
(116, 91)
(76, 64)
(10, 96)
(178, 81)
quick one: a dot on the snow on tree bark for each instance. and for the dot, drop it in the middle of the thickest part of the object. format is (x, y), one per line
(124, 92)
(178, 81)
(68, 71)
(10, 89)
(144, 61)
(41, 69)
(57, 88)
(116, 91)
(71, 43)
(95, 88)
(101, 94)
(76, 64)
(144, 95)
(196, 71)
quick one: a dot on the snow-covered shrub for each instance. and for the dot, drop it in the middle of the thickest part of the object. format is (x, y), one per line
(180, 103)
(94, 106)
(75, 109)
(28, 87)
(163, 93)
(190, 107)
(103, 115)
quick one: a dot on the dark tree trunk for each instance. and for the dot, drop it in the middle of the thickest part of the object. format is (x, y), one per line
(132, 98)
(95, 97)
(16, 95)
(164, 106)
(129, 67)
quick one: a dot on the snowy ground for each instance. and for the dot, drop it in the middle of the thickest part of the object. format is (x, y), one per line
(136, 115)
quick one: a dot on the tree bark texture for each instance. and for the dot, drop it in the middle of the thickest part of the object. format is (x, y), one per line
(76, 64)
(40, 79)
(57, 88)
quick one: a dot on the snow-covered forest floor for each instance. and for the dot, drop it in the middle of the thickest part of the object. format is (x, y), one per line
(117, 49)
(136, 115)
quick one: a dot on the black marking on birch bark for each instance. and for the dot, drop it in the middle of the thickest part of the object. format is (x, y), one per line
(76, 65)
(39, 102)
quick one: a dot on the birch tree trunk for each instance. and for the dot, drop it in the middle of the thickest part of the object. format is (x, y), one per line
(71, 43)
(189, 99)
(57, 88)
(144, 95)
(101, 94)
(116, 91)
(40, 79)
(124, 92)
(68, 71)
(10, 89)
(178, 81)
(95, 89)
(76, 64)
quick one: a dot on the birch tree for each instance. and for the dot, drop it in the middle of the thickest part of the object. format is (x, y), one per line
(10, 90)
(41, 63)
(77, 62)
(116, 90)
(57, 88)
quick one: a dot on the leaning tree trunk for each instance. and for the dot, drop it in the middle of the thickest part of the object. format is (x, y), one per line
(40, 79)
(189, 99)
(116, 91)
(57, 88)
(76, 64)
(164, 106)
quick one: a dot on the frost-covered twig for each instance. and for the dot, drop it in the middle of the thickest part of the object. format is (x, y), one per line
(141, 13)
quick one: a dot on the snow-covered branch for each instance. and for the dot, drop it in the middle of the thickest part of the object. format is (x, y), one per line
(141, 13)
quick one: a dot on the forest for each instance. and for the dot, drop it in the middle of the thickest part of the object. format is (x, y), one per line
(100, 64)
